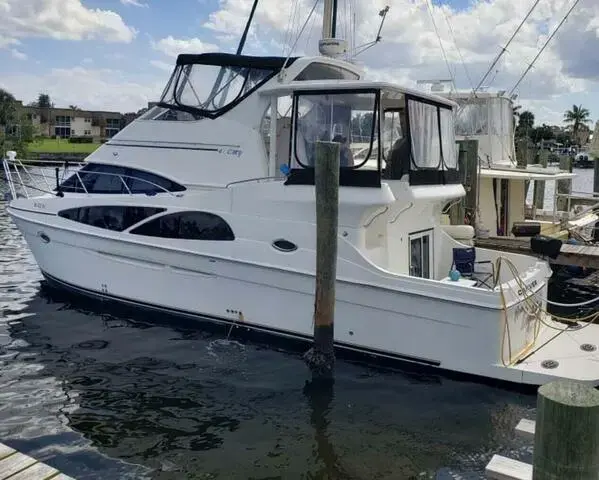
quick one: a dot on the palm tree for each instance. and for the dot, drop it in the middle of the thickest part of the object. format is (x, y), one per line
(575, 118)
(525, 123)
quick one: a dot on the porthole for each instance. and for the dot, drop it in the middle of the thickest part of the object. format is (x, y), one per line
(284, 245)
(45, 238)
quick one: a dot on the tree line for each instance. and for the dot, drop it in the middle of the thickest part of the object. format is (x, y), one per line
(576, 129)
(16, 128)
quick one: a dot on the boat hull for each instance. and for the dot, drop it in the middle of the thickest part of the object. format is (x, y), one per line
(420, 330)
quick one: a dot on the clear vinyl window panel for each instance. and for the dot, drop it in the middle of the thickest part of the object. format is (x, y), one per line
(472, 117)
(196, 90)
(348, 118)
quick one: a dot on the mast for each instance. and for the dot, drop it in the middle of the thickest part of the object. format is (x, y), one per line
(329, 22)
(330, 45)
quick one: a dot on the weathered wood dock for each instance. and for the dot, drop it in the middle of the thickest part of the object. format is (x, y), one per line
(17, 466)
(580, 255)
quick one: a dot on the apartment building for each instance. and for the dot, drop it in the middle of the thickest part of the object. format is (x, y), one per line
(68, 122)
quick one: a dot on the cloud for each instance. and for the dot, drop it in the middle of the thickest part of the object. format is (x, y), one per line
(167, 67)
(60, 20)
(101, 89)
(471, 36)
(174, 46)
(17, 54)
(411, 46)
(134, 3)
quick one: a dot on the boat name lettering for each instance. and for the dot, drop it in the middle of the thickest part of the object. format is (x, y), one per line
(235, 152)
(39, 205)
(533, 284)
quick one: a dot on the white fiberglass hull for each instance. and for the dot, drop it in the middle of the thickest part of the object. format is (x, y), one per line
(424, 330)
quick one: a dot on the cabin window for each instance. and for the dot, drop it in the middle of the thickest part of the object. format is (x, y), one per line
(187, 225)
(115, 217)
(426, 140)
(114, 179)
(396, 144)
(434, 149)
(448, 143)
(393, 130)
(349, 118)
(323, 71)
(421, 252)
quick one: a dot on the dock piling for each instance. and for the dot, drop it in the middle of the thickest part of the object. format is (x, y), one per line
(564, 187)
(539, 185)
(321, 357)
(566, 432)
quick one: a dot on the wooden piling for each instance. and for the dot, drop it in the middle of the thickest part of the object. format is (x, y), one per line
(522, 152)
(321, 357)
(539, 186)
(596, 178)
(564, 187)
(457, 211)
(464, 211)
(566, 432)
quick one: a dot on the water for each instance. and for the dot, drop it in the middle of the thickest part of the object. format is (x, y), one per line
(104, 393)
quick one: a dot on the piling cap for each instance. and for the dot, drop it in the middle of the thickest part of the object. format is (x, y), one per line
(11, 154)
(567, 392)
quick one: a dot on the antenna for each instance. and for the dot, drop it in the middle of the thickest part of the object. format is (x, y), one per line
(378, 38)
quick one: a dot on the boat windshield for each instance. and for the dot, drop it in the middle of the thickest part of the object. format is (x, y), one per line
(208, 85)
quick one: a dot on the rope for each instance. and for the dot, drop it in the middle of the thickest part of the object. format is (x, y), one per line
(543, 47)
(298, 36)
(532, 308)
(458, 50)
(430, 11)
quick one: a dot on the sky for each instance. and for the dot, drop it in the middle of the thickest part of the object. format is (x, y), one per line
(118, 54)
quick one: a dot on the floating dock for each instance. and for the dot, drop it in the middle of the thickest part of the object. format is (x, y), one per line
(580, 255)
(17, 466)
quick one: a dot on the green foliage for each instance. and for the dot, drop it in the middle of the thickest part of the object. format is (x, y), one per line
(544, 132)
(526, 121)
(8, 108)
(575, 118)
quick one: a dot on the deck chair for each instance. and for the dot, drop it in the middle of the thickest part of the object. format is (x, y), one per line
(464, 261)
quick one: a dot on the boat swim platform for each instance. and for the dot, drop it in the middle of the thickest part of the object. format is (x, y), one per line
(579, 255)
(18, 466)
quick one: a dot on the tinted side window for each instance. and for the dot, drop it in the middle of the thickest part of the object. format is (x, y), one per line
(117, 218)
(100, 178)
(145, 182)
(187, 225)
(96, 178)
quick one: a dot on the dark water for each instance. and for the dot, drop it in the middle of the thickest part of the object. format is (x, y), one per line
(99, 393)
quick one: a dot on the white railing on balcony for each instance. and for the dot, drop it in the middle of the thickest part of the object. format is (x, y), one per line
(27, 180)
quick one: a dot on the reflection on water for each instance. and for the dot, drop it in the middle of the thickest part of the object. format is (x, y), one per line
(105, 393)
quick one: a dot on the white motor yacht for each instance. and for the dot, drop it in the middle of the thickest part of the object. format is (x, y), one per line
(205, 207)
